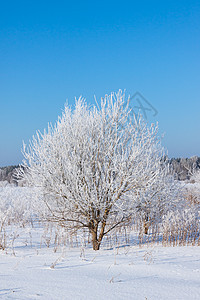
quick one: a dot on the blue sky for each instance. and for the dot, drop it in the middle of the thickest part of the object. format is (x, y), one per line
(51, 51)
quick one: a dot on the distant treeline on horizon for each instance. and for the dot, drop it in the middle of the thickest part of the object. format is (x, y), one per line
(183, 169)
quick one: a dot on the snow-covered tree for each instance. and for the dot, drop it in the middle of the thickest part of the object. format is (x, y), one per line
(196, 177)
(18, 207)
(93, 165)
(154, 200)
(192, 189)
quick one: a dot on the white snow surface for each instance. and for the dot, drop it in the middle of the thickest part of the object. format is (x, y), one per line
(150, 272)
(129, 272)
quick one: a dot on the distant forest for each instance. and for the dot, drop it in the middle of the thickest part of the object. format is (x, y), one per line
(6, 174)
(183, 169)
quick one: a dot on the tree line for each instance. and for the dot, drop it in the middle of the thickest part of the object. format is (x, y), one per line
(183, 168)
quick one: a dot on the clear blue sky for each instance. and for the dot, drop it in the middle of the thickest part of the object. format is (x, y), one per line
(51, 51)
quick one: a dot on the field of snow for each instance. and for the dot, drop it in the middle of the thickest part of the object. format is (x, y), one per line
(31, 270)
(153, 272)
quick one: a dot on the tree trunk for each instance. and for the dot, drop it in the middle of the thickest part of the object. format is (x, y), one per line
(95, 242)
(146, 224)
(96, 245)
(146, 228)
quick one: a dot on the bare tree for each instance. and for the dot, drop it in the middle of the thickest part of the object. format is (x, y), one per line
(92, 165)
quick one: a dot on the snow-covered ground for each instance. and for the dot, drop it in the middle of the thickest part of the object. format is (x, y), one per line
(31, 270)
(153, 272)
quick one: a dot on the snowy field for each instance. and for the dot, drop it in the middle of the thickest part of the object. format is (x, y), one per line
(153, 272)
(31, 270)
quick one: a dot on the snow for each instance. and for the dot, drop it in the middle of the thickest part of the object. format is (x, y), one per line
(149, 272)
(31, 270)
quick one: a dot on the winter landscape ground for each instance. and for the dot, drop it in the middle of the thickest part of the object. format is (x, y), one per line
(130, 272)
(31, 267)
